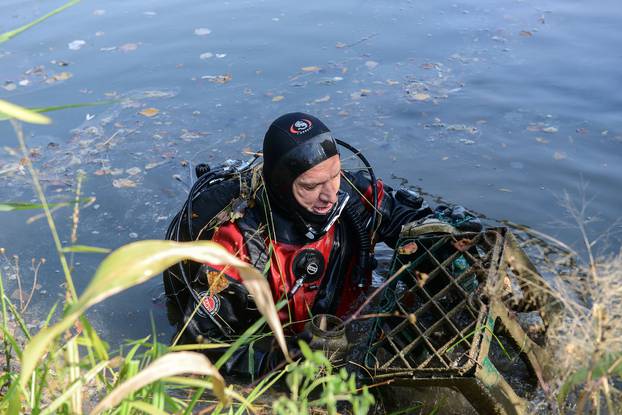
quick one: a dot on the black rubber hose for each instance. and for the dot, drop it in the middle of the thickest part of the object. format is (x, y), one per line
(364, 240)
(372, 177)
(365, 247)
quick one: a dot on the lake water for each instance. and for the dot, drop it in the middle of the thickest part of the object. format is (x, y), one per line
(501, 106)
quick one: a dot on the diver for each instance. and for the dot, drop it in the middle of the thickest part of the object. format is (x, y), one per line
(308, 225)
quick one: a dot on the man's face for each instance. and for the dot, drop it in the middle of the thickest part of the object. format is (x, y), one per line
(316, 189)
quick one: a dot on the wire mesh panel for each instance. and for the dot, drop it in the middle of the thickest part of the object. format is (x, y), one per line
(437, 311)
(444, 320)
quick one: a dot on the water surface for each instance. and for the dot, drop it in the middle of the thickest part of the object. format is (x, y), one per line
(498, 105)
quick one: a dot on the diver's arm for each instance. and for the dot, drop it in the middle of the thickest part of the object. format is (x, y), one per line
(399, 207)
(395, 208)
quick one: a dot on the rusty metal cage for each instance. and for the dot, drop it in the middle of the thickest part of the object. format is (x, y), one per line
(449, 308)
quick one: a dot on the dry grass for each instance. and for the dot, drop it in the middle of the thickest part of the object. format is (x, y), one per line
(586, 341)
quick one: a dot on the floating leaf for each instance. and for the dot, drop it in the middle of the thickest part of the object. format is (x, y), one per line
(421, 96)
(310, 69)
(170, 364)
(278, 98)
(123, 183)
(526, 33)
(23, 114)
(63, 76)
(133, 171)
(149, 112)
(128, 47)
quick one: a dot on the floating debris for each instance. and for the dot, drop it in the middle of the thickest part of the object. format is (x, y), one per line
(202, 31)
(310, 69)
(149, 112)
(123, 183)
(360, 93)
(62, 76)
(76, 44)
(128, 47)
(9, 86)
(133, 171)
(560, 155)
(371, 65)
(218, 79)
(421, 96)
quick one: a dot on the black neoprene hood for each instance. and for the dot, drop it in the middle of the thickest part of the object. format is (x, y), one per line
(293, 144)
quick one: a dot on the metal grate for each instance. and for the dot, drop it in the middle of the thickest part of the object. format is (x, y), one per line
(456, 296)
(437, 306)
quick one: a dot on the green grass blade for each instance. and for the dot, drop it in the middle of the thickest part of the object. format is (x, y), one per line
(134, 349)
(10, 340)
(135, 263)
(12, 33)
(99, 347)
(205, 346)
(86, 249)
(157, 395)
(18, 318)
(72, 358)
(12, 206)
(62, 399)
(9, 111)
(46, 322)
(39, 110)
(5, 324)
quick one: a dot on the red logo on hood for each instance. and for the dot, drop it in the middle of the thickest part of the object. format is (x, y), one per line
(211, 304)
(301, 126)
